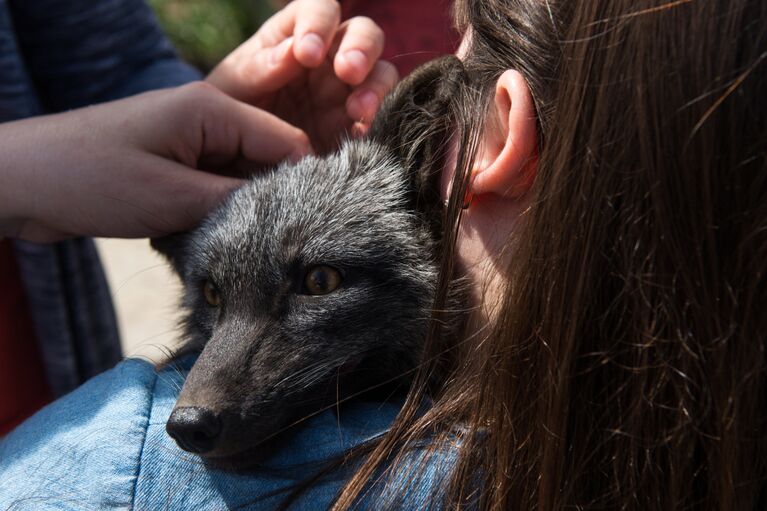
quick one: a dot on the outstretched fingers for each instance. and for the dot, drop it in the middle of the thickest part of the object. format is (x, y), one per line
(302, 36)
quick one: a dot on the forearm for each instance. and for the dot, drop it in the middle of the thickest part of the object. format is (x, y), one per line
(31, 150)
(13, 144)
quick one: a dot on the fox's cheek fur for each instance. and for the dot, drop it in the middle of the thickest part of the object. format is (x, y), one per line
(281, 340)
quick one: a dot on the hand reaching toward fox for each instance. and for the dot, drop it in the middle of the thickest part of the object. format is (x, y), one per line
(158, 162)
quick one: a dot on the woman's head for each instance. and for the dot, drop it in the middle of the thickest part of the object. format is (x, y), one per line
(625, 364)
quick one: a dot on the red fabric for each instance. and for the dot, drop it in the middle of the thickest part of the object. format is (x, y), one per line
(23, 386)
(416, 30)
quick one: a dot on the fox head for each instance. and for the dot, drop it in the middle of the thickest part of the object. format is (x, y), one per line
(315, 280)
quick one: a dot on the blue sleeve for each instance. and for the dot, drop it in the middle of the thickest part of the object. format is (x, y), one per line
(80, 52)
(104, 446)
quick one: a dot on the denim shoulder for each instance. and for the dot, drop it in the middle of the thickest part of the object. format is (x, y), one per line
(105, 446)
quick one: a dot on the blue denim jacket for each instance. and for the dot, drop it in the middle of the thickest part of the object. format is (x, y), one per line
(57, 55)
(104, 446)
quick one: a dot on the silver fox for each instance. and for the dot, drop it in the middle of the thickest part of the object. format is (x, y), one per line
(314, 281)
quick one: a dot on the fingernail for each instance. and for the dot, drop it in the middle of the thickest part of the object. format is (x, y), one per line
(280, 51)
(369, 102)
(313, 47)
(356, 59)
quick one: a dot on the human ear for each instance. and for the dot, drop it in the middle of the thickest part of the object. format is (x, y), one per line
(507, 163)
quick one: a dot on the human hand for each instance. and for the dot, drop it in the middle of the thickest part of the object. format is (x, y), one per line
(130, 168)
(308, 68)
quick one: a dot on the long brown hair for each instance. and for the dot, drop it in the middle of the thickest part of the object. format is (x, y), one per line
(627, 367)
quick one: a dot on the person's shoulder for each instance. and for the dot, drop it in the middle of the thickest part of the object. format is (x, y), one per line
(105, 445)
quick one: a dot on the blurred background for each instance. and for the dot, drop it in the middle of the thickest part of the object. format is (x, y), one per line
(205, 31)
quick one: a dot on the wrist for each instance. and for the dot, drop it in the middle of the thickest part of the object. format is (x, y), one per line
(22, 148)
(10, 206)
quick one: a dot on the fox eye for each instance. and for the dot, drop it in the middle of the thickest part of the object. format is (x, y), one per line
(321, 280)
(210, 291)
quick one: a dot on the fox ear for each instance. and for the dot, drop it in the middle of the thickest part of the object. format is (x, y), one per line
(415, 119)
(173, 247)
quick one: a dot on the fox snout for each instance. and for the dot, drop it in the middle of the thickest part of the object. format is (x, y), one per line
(245, 389)
(234, 415)
(234, 436)
(221, 430)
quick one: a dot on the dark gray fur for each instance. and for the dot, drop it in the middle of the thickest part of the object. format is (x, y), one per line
(271, 354)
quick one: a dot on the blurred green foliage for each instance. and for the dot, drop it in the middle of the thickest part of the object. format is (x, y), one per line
(204, 31)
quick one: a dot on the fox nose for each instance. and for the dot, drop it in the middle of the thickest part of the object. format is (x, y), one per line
(194, 429)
